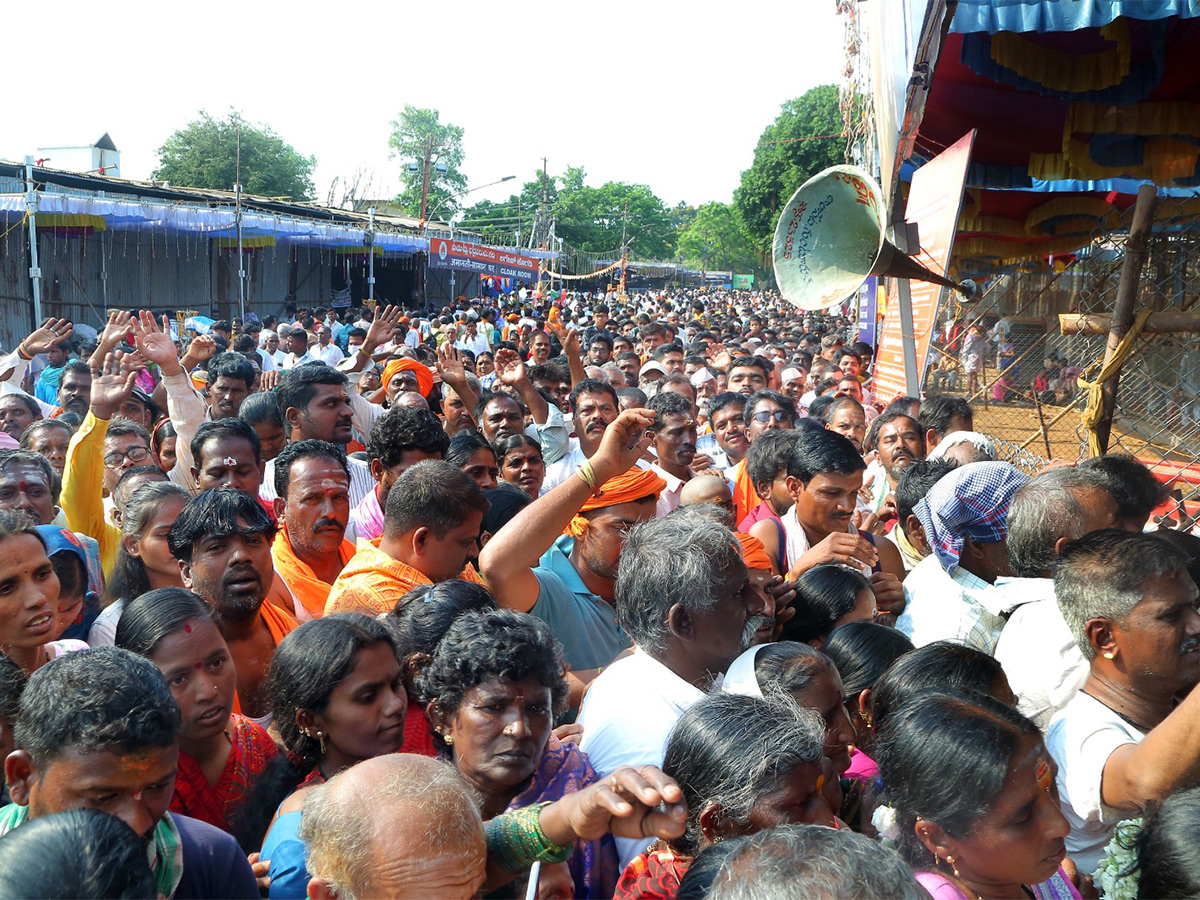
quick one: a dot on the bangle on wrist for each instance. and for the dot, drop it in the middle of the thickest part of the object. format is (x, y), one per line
(23, 353)
(588, 475)
(516, 840)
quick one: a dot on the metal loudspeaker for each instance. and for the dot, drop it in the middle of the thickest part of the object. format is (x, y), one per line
(830, 239)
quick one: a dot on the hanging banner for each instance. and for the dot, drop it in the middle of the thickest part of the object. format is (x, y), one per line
(934, 203)
(867, 308)
(496, 261)
(743, 282)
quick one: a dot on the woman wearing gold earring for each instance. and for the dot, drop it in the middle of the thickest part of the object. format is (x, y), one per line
(338, 698)
(971, 805)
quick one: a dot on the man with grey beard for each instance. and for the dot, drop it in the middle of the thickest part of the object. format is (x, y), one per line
(686, 599)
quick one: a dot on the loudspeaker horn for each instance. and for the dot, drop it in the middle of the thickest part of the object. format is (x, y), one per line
(830, 239)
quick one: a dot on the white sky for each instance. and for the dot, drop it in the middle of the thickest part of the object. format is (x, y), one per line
(669, 94)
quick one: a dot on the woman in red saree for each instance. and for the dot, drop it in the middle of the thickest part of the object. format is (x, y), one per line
(221, 753)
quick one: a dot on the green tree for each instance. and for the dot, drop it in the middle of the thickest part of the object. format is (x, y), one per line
(415, 134)
(203, 154)
(716, 239)
(790, 151)
(587, 218)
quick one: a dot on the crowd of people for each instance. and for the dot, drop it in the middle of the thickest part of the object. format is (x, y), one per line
(645, 596)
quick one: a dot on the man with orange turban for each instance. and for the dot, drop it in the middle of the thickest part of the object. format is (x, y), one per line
(417, 378)
(569, 581)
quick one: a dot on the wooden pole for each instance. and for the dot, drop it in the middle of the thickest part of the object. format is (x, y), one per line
(1158, 323)
(1045, 433)
(1127, 289)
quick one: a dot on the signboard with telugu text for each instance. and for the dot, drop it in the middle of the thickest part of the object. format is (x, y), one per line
(934, 203)
(495, 261)
(743, 282)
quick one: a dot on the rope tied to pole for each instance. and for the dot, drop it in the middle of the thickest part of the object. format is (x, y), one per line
(1094, 384)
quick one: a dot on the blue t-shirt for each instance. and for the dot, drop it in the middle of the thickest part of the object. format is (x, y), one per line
(584, 623)
(285, 850)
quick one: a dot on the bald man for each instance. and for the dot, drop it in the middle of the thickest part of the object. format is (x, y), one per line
(398, 825)
(707, 489)
(403, 825)
(715, 490)
(410, 400)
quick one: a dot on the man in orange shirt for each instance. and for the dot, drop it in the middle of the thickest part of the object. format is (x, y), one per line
(312, 504)
(430, 527)
(222, 540)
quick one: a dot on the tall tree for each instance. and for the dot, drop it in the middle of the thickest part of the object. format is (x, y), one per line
(587, 218)
(417, 134)
(716, 239)
(792, 149)
(203, 154)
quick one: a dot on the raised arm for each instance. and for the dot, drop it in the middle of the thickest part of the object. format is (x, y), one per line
(510, 371)
(508, 560)
(115, 330)
(570, 340)
(14, 366)
(1167, 759)
(454, 373)
(82, 497)
(186, 408)
(381, 330)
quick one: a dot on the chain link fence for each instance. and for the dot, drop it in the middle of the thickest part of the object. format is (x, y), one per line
(1025, 394)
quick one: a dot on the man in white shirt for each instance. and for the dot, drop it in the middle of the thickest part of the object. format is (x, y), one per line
(594, 407)
(1036, 648)
(316, 405)
(326, 351)
(470, 339)
(1125, 739)
(674, 445)
(298, 352)
(948, 595)
(686, 599)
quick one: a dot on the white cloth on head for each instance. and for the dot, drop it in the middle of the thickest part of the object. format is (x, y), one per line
(981, 442)
(740, 677)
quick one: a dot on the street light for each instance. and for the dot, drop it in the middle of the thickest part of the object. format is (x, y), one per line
(451, 222)
(463, 193)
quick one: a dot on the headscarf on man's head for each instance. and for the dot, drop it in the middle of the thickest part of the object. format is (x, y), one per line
(403, 364)
(636, 484)
(969, 502)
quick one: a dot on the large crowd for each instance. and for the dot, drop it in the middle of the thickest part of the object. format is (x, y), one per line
(594, 595)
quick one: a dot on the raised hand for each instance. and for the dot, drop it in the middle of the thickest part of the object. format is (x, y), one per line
(116, 330)
(201, 348)
(111, 386)
(624, 442)
(383, 326)
(54, 332)
(720, 357)
(632, 803)
(450, 364)
(509, 368)
(270, 380)
(155, 344)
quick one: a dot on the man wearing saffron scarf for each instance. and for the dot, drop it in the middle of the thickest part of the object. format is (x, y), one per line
(430, 527)
(312, 504)
(568, 581)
